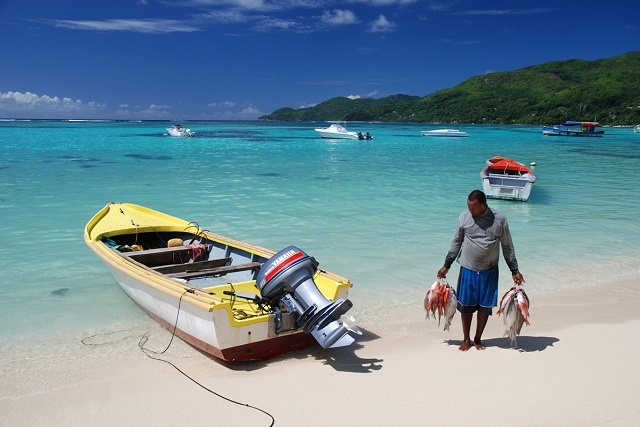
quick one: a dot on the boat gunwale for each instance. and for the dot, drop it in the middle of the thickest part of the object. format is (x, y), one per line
(157, 280)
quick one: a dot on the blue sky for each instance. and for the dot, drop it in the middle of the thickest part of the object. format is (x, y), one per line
(239, 59)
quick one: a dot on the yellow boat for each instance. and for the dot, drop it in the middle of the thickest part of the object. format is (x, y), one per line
(233, 300)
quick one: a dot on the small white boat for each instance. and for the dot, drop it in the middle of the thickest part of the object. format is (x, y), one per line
(337, 131)
(231, 299)
(507, 179)
(636, 128)
(178, 130)
(444, 132)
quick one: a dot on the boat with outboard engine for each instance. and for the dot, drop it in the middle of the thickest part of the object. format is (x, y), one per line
(231, 299)
(507, 179)
(178, 130)
(337, 131)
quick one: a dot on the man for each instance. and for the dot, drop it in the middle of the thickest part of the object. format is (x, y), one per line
(476, 243)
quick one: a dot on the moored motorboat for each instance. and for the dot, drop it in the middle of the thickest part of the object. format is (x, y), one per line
(178, 130)
(583, 129)
(337, 131)
(444, 132)
(636, 129)
(231, 299)
(507, 179)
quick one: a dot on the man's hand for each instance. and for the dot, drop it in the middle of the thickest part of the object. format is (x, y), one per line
(443, 272)
(518, 279)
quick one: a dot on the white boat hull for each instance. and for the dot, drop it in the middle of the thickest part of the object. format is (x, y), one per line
(336, 131)
(210, 331)
(450, 133)
(181, 132)
(337, 135)
(507, 188)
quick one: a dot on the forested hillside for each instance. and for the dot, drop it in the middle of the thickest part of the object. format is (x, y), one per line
(605, 90)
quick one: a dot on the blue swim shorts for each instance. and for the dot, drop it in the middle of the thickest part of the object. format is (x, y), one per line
(477, 290)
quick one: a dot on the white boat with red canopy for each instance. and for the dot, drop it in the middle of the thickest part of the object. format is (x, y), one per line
(507, 179)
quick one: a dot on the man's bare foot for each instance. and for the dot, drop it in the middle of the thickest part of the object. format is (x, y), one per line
(466, 345)
(478, 345)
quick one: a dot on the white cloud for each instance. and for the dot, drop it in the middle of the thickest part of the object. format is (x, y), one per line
(243, 4)
(154, 111)
(149, 26)
(384, 2)
(226, 104)
(500, 12)
(470, 42)
(276, 24)
(227, 17)
(339, 17)
(38, 106)
(439, 7)
(382, 25)
(261, 5)
(354, 97)
(250, 110)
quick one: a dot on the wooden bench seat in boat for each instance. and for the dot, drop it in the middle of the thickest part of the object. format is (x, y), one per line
(161, 256)
(191, 266)
(217, 271)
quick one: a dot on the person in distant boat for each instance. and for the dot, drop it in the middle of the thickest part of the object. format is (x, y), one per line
(476, 243)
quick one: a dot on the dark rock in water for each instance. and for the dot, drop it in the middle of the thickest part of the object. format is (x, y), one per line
(59, 292)
(148, 157)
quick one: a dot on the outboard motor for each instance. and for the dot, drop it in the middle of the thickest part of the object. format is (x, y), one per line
(287, 278)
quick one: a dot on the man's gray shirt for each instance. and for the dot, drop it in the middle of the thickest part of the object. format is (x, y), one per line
(477, 240)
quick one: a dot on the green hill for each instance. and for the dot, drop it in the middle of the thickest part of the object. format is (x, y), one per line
(604, 90)
(340, 108)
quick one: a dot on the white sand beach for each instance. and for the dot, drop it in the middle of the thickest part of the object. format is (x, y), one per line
(577, 365)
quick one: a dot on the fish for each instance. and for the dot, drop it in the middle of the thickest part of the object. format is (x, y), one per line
(514, 306)
(450, 307)
(431, 300)
(510, 322)
(428, 299)
(441, 299)
(505, 300)
(522, 301)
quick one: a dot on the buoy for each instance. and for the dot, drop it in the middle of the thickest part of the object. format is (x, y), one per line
(533, 164)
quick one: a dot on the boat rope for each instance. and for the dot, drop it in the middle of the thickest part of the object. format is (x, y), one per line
(147, 352)
(86, 339)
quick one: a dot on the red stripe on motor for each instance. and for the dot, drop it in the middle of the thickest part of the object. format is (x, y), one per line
(284, 264)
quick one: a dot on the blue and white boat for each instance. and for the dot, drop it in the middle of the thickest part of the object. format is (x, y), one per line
(587, 129)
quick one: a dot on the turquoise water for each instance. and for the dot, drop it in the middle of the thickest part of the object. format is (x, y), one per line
(379, 212)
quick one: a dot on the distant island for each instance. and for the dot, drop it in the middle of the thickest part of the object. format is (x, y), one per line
(604, 90)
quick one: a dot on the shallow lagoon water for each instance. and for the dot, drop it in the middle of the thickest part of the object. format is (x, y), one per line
(380, 212)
